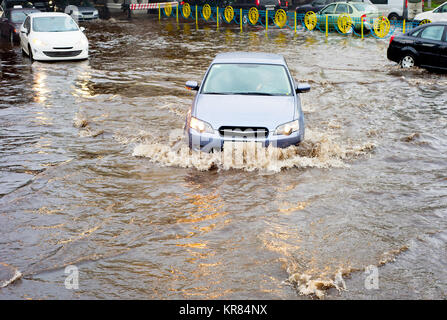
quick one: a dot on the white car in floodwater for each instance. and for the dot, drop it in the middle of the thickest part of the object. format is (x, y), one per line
(437, 15)
(49, 36)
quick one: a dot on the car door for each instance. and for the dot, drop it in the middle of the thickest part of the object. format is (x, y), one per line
(428, 45)
(24, 31)
(439, 14)
(328, 11)
(443, 51)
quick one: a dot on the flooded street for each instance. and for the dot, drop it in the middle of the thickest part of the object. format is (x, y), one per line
(94, 173)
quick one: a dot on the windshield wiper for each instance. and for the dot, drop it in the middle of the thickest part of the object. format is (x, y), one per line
(217, 93)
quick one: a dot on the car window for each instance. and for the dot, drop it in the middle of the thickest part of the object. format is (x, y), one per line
(18, 16)
(26, 24)
(247, 78)
(54, 24)
(432, 33)
(341, 8)
(441, 9)
(329, 9)
(416, 33)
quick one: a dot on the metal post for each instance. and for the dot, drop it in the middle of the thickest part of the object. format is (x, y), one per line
(177, 13)
(295, 21)
(327, 25)
(240, 15)
(217, 16)
(159, 12)
(362, 27)
(196, 18)
(403, 26)
(266, 20)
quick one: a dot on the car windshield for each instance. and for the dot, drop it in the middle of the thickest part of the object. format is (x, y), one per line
(247, 78)
(54, 24)
(20, 16)
(364, 7)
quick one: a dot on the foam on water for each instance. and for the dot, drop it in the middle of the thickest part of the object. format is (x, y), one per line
(318, 150)
(315, 283)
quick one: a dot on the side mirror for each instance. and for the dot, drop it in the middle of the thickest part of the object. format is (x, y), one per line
(302, 88)
(82, 29)
(192, 85)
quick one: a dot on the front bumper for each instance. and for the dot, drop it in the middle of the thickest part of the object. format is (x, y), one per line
(214, 141)
(44, 54)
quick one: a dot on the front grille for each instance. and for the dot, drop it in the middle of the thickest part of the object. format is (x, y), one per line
(62, 48)
(62, 54)
(248, 132)
(87, 13)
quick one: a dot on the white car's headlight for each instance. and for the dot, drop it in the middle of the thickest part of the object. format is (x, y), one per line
(95, 13)
(39, 43)
(201, 126)
(287, 128)
(82, 42)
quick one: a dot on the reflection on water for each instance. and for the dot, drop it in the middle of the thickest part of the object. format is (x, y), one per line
(94, 172)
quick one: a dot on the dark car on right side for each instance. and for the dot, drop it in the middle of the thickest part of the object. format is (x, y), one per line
(424, 46)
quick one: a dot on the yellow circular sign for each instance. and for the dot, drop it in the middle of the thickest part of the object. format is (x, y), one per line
(381, 26)
(344, 22)
(229, 14)
(425, 21)
(206, 12)
(168, 9)
(280, 18)
(253, 15)
(310, 20)
(186, 10)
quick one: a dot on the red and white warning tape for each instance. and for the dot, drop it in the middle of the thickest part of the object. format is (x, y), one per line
(145, 6)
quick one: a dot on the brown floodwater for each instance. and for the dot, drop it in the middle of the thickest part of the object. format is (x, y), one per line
(94, 173)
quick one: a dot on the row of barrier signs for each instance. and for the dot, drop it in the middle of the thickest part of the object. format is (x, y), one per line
(379, 27)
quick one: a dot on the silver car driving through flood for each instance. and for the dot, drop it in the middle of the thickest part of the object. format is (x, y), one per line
(246, 97)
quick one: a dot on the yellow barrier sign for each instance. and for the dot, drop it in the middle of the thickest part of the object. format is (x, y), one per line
(280, 18)
(206, 11)
(425, 21)
(186, 10)
(310, 20)
(381, 26)
(229, 14)
(344, 23)
(168, 9)
(253, 15)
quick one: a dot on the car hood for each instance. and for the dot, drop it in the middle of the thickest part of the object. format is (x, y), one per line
(424, 15)
(88, 9)
(59, 39)
(245, 111)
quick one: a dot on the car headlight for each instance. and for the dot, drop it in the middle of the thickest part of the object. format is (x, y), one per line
(287, 128)
(200, 126)
(82, 42)
(39, 43)
(95, 13)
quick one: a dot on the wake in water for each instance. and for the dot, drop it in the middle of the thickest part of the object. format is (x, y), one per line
(316, 282)
(317, 150)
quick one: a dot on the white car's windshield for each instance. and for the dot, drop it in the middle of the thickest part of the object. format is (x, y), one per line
(54, 24)
(248, 78)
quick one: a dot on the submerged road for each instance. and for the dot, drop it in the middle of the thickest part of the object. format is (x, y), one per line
(94, 173)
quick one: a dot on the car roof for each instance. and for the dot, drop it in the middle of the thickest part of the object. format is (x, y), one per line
(249, 57)
(48, 14)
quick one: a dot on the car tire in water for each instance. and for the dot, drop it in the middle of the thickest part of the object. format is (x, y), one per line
(408, 61)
